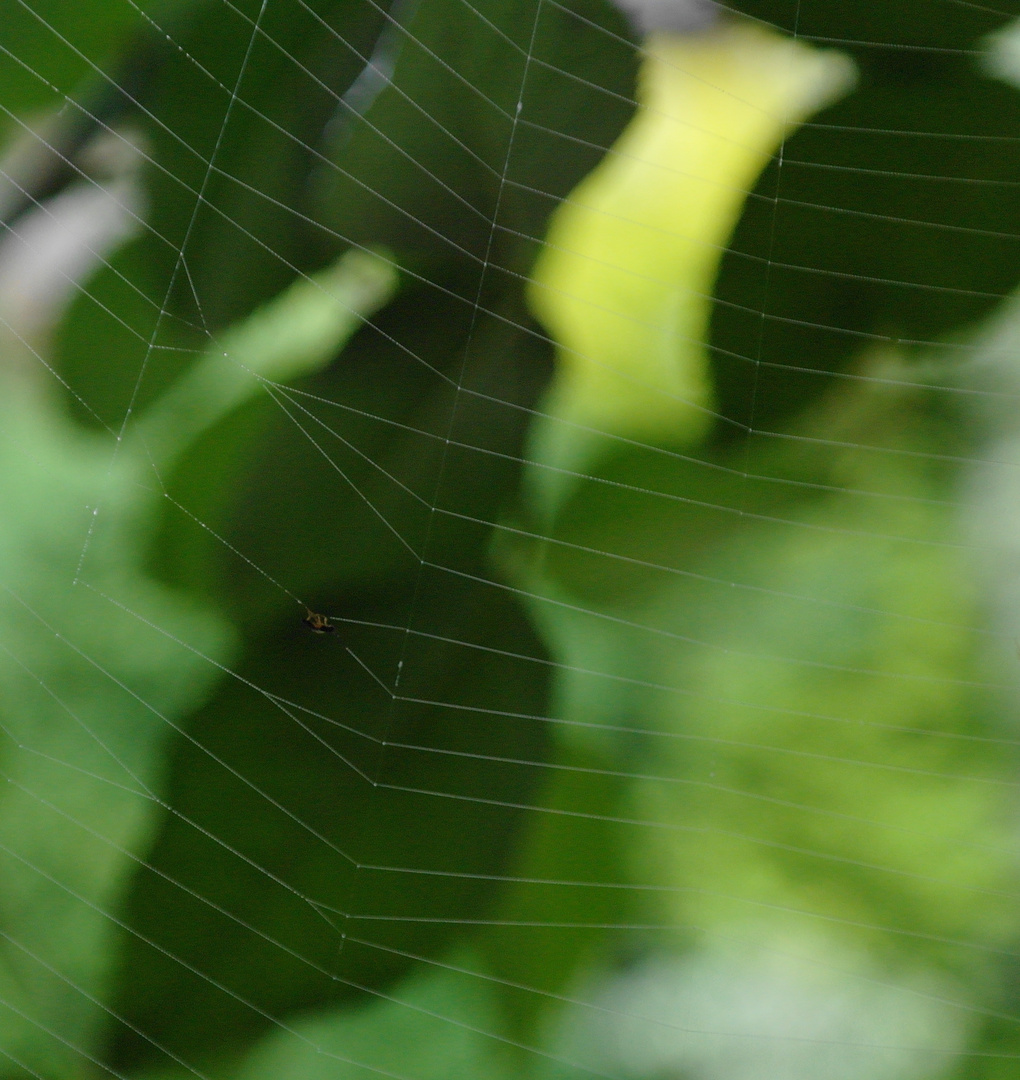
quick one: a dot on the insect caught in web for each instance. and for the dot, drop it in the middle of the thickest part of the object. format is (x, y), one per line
(318, 624)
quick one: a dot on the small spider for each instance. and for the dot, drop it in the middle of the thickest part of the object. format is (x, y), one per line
(318, 624)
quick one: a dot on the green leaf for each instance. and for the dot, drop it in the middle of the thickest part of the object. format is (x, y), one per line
(786, 649)
(98, 665)
(324, 821)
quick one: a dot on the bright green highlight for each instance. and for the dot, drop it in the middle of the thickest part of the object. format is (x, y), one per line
(625, 282)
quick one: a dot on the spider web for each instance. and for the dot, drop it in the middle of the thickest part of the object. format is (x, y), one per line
(633, 399)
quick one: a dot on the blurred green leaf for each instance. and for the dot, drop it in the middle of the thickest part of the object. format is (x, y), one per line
(325, 823)
(98, 664)
(796, 672)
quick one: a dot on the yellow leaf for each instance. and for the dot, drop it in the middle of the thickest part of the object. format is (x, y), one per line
(624, 284)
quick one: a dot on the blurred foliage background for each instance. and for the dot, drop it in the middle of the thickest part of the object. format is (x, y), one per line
(633, 390)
